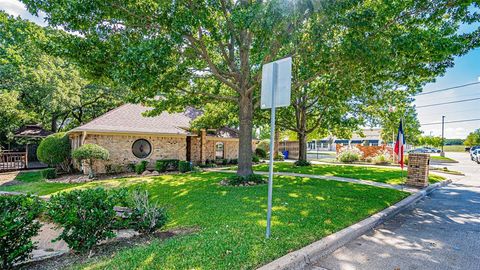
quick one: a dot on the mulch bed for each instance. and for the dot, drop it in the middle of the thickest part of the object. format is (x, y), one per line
(106, 250)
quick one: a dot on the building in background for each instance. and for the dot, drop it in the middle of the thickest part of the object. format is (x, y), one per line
(369, 137)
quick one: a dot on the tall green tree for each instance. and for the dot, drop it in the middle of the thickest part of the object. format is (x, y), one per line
(473, 138)
(12, 116)
(199, 52)
(52, 89)
(369, 56)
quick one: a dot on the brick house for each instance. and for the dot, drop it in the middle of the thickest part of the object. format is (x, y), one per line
(131, 137)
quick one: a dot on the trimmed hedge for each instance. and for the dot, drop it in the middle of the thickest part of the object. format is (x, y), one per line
(18, 224)
(261, 153)
(54, 150)
(49, 173)
(185, 166)
(90, 152)
(164, 165)
(141, 166)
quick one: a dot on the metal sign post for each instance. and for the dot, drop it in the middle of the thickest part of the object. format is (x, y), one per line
(276, 87)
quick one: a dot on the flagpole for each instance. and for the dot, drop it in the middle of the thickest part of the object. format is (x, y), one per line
(404, 146)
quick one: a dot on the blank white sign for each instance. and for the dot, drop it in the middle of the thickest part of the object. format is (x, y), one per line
(283, 84)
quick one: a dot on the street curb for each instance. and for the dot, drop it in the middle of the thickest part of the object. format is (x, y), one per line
(301, 259)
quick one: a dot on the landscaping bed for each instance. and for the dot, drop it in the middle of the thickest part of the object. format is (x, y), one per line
(231, 220)
(384, 175)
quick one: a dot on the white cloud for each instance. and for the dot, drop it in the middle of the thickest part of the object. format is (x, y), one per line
(15, 8)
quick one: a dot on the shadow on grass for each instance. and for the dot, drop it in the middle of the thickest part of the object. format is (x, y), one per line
(232, 219)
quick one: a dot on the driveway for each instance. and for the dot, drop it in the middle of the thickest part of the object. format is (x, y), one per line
(440, 232)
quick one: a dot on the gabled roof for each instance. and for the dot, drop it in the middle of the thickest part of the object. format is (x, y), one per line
(226, 132)
(32, 131)
(129, 118)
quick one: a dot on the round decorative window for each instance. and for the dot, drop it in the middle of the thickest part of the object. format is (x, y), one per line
(141, 148)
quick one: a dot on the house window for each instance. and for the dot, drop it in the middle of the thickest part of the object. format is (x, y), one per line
(219, 150)
(141, 148)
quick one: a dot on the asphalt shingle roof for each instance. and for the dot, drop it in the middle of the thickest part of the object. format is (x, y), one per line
(129, 118)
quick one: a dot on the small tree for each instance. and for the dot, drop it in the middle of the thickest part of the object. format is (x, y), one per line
(18, 225)
(54, 150)
(90, 153)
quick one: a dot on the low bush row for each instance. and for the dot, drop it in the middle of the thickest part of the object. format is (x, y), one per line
(85, 217)
(353, 154)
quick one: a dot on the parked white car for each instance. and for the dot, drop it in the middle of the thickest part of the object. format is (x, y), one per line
(476, 155)
(472, 150)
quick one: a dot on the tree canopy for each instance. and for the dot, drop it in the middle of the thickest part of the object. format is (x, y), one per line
(345, 53)
(473, 138)
(39, 85)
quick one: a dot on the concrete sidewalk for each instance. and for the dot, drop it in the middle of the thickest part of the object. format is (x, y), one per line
(440, 232)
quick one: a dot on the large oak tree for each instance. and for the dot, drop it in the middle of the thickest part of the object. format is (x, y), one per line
(196, 52)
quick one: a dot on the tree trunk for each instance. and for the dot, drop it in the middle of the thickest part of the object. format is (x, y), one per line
(302, 135)
(302, 146)
(245, 133)
(277, 141)
(91, 173)
(54, 123)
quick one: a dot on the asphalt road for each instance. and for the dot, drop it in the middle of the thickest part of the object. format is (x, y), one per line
(440, 232)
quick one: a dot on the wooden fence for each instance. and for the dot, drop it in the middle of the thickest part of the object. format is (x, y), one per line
(291, 147)
(11, 161)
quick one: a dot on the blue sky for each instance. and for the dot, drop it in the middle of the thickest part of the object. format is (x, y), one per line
(466, 70)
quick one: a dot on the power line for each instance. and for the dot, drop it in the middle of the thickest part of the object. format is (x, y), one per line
(450, 122)
(448, 88)
(450, 102)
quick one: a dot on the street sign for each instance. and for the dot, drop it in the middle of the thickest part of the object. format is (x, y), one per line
(276, 87)
(282, 83)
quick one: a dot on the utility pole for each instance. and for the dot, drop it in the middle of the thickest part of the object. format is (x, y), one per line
(443, 138)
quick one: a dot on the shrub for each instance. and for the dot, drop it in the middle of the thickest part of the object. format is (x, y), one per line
(233, 161)
(264, 144)
(49, 173)
(185, 166)
(141, 166)
(86, 216)
(279, 157)
(255, 158)
(18, 225)
(164, 165)
(261, 153)
(382, 158)
(146, 217)
(302, 163)
(90, 153)
(348, 155)
(114, 168)
(237, 180)
(131, 167)
(54, 150)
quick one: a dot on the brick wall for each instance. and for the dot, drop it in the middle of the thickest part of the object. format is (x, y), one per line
(120, 149)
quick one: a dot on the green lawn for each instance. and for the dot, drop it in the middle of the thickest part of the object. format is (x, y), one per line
(33, 182)
(383, 175)
(232, 219)
(443, 159)
(454, 148)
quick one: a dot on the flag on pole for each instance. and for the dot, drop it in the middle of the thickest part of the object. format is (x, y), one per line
(399, 145)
